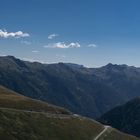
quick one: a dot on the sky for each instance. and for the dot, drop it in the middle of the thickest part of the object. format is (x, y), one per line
(88, 32)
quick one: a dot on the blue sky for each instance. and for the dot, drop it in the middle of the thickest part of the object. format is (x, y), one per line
(88, 32)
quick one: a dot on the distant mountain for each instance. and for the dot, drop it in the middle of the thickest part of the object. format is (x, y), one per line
(125, 80)
(22, 118)
(86, 91)
(125, 117)
(74, 66)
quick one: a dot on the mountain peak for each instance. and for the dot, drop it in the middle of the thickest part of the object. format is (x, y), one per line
(116, 66)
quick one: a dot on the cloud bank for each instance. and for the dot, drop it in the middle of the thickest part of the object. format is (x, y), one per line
(18, 34)
(63, 45)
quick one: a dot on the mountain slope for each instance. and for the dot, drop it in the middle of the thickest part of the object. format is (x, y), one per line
(85, 91)
(13, 100)
(125, 117)
(37, 126)
(60, 84)
(31, 123)
(122, 78)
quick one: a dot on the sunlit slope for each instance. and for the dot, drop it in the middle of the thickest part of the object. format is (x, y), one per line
(16, 125)
(11, 99)
(21, 125)
(22, 118)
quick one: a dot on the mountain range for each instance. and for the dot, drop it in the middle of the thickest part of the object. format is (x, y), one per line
(87, 91)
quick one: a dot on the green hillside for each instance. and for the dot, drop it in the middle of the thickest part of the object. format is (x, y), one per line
(11, 99)
(18, 125)
(22, 118)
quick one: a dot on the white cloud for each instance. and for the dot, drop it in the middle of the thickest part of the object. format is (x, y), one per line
(26, 42)
(62, 45)
(92, 45)
(18, 34)
(35, 51)
(52, 36)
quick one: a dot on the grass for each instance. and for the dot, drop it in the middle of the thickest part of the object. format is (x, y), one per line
(22, 118)
(18, 125)
(10, 99)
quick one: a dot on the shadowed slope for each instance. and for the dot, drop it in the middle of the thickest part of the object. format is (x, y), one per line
(125, 117)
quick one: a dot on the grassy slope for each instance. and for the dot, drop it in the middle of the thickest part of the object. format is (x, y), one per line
(17, 123)
(10, 99)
